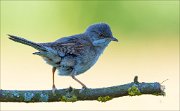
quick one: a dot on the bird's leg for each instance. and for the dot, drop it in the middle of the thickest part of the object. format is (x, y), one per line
(73, 76)
(83, 85)
(53, 86)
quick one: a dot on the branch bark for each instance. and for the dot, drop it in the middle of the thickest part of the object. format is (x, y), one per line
(71, 95)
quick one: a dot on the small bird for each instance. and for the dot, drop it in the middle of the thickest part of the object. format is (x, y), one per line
(73, 55)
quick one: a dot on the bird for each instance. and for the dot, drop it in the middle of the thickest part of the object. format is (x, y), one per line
(73, 55)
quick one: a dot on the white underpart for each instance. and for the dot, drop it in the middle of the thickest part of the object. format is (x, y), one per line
(51, 57)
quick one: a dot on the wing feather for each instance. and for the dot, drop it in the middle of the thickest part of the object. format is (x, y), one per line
(69, 45)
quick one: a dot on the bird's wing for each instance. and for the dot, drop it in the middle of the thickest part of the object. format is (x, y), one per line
(71, 45)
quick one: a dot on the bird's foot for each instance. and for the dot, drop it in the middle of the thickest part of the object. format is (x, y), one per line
(54, 89)
(83, 88)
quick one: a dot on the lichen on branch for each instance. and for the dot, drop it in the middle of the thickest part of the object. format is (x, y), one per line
(72, 95)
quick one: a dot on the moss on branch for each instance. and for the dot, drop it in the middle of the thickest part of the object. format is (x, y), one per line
(72, 95)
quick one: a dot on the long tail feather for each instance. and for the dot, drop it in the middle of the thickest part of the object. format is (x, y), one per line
(27, 42)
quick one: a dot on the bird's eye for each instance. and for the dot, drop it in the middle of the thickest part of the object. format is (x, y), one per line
(101, 35)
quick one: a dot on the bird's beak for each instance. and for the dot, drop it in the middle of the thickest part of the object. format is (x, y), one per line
(114, 39)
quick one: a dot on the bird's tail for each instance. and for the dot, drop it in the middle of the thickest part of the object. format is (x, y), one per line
(27, 42)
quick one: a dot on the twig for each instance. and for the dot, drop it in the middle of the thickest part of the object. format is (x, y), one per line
(164, 81)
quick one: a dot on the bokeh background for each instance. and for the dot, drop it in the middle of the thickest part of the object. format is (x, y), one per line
(148, 32)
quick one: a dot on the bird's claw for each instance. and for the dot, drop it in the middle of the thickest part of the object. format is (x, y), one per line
(83, 88)
(53, 90)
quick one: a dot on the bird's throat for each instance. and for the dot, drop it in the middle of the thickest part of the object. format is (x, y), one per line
(101, 43)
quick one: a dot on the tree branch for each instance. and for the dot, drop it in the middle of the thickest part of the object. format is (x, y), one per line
(71, 95)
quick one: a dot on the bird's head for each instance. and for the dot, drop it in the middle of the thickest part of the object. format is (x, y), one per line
(100, 34)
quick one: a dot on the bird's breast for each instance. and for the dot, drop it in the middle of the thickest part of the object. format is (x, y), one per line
(86, 61)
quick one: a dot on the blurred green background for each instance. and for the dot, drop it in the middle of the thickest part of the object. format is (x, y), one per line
(148, 32)
(51, 19)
